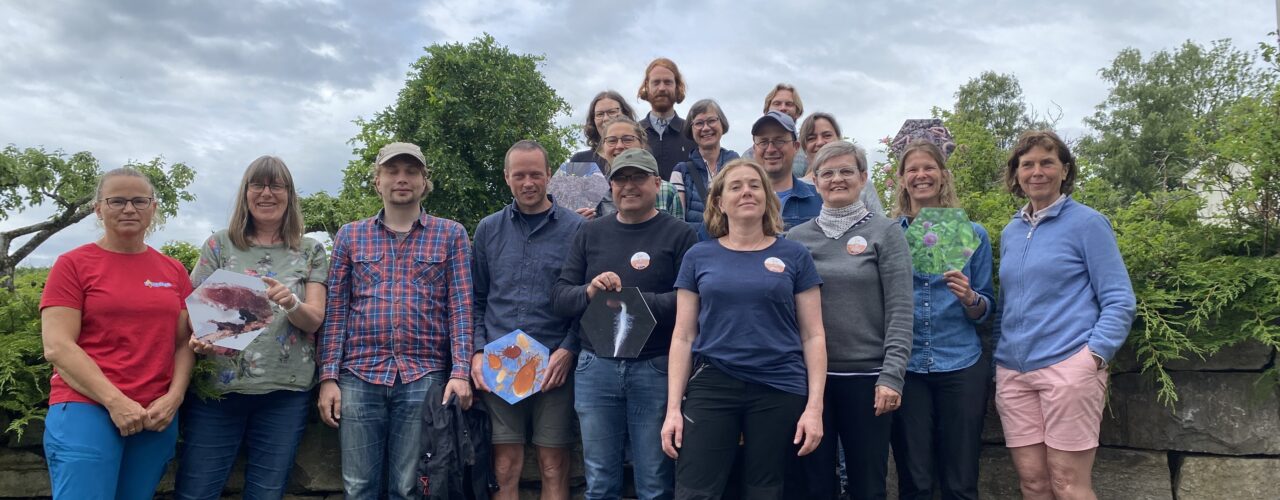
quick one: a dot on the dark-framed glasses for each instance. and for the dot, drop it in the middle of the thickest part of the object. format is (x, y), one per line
(139, 203)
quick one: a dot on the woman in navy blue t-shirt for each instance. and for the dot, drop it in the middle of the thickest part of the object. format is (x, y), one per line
(748, 355)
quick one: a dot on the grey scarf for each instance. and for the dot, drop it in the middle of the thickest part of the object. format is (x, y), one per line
(834, 222)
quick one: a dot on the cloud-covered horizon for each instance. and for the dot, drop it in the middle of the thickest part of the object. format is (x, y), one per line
(215, 85)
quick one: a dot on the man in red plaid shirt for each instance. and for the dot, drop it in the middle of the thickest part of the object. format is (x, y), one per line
(398, 319)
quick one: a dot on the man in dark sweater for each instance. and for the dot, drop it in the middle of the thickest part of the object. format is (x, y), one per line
(663, 88)
(616, 397)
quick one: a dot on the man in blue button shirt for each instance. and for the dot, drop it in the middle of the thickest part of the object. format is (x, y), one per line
(518, 253)
(775, 146)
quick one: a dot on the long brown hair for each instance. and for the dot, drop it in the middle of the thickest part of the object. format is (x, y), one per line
(589, 129)
(718, 223)
(946, 185)
(265, 170)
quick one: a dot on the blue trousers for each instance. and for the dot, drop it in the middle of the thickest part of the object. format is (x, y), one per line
(623, 402)
(89, 460)
(270, 426)
(381, 436)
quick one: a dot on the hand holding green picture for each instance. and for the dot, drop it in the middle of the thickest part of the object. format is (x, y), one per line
(941, 239)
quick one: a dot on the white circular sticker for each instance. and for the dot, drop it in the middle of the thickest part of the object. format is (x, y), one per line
(856, 245)
(640, 261)
(775, 264)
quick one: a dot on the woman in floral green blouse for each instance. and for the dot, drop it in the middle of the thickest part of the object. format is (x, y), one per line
(267, 387)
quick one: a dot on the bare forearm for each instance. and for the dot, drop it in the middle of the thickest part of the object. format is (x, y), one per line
(183, 362)
(83, 374)
(815, 362)
(679, 364)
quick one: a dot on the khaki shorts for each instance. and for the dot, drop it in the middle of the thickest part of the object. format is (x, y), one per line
(548, 415)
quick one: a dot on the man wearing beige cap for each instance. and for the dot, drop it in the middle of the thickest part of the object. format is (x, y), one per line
(619, 398)
(397, 327)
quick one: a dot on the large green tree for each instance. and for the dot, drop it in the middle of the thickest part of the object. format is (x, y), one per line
(1155, 103)
(33, 177)
(995, 101)
(464, 104)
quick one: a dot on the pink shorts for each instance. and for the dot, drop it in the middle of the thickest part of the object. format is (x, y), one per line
(1058, 405)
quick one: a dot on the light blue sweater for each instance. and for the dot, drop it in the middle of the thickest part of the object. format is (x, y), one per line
(1063, 285)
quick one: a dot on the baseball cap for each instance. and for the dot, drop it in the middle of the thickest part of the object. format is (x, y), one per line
(775, 117)
(400, 148)
(634, 157)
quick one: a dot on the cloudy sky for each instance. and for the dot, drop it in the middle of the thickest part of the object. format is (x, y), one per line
(217, 84)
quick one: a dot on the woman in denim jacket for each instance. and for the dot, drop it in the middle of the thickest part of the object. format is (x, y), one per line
(937, 432)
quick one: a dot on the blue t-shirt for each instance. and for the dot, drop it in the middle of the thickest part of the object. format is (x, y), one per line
(747, 317)
(783, 196)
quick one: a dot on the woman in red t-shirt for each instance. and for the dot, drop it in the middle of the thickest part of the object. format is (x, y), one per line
(115, 329)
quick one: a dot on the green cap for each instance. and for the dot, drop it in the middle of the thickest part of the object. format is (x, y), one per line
(634, 157)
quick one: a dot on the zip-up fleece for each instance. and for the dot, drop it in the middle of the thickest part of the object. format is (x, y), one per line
(1063, 285)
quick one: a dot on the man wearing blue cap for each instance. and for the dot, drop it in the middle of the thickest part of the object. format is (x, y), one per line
(774, 143)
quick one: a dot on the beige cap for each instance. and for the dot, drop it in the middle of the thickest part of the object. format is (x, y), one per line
(400, 148)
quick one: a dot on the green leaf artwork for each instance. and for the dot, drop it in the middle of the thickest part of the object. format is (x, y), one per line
(941, 239)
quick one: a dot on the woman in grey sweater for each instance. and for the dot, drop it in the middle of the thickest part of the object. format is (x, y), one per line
(865, 266)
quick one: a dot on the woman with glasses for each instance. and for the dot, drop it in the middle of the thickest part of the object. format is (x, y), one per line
(115, 329)
(937, 434)
(865, 267)
(820, 129)
(604, 107)
(266, 387)
(748, 358)
(620, 134)
(707, 126)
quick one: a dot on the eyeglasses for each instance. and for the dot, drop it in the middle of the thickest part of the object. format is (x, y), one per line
(608, 113)
(636, 178)
(258, 187)
(778, 143)
(709, 122)
(830, 173)
(139, 203)
(626, 140)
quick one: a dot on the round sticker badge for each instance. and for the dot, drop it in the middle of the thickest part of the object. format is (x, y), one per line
(856, 245)
(775, 264)
(640, 261)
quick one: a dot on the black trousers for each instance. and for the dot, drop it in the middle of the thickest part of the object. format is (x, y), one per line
(849, 416)
(718, 411)
(937, 434)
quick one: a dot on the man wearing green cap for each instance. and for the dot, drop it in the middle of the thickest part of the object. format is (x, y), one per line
(617, 397)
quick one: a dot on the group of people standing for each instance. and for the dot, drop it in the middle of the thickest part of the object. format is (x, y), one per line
(792, 333)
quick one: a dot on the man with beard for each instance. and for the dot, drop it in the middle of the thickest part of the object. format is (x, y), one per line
(518, 252)
(774, 143)
(663, 87)
(397, 322)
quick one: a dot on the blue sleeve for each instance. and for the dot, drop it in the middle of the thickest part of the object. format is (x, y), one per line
(1111, 287)
(980, 273)
(479, 284)
(806, 273)
(687, 278)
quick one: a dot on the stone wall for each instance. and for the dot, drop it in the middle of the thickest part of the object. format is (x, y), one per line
(1220, 441)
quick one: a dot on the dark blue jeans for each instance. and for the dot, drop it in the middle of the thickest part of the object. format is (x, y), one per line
(270, 425)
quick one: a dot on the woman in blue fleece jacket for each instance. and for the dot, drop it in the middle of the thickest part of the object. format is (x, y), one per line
(1067, 307)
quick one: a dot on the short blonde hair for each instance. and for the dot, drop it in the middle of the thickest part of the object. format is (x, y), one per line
(716, 221)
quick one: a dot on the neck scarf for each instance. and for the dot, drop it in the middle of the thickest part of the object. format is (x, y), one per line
(834, 222)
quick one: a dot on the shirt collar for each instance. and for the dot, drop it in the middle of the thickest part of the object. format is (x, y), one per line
(800, 189)
(1050, 211)
(423, 217)
(513, 210)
